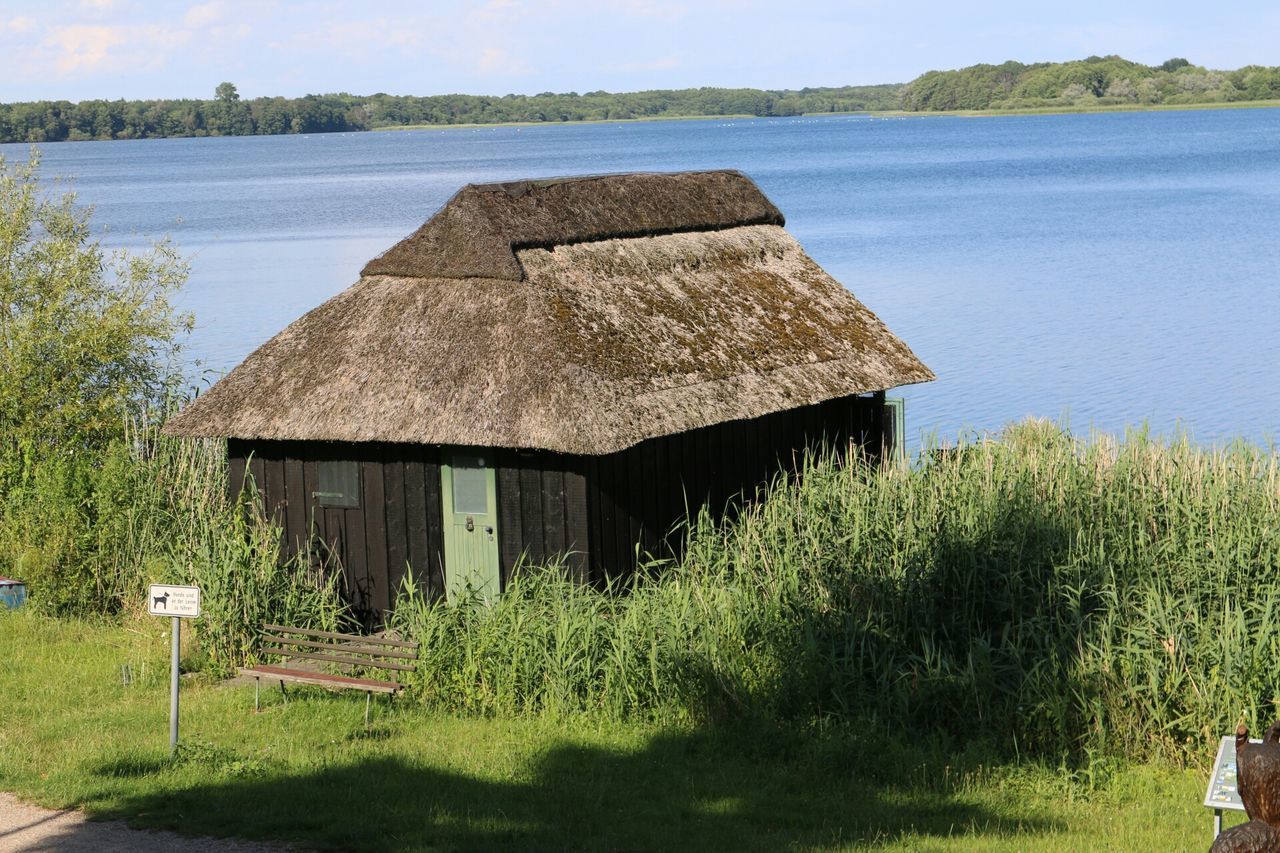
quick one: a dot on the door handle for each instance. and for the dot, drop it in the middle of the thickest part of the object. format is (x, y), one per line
(489, 530)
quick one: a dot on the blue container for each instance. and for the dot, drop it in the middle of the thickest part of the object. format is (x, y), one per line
(12, 593)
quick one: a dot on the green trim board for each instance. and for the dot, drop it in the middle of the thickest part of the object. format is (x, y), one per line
(469, 500)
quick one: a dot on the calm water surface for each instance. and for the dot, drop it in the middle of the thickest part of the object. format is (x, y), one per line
(1103, 269)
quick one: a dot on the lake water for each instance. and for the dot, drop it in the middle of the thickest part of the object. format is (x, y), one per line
(1105, 269)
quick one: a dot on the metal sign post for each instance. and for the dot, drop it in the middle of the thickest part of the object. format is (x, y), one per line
(176, 634)
(178, 603)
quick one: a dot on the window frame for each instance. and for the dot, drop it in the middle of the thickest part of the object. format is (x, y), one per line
(338, 484)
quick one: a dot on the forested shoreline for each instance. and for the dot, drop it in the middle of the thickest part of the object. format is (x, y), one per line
(229, 115)
(1098, 81)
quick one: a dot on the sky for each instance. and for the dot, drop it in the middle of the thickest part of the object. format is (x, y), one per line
(81, 49)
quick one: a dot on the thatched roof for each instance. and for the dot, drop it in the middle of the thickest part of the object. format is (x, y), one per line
(581, 328)
(478, 231)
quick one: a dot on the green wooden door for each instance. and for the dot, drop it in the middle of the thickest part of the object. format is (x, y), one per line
(470, 502)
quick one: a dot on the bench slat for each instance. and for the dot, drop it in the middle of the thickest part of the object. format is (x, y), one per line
(331, 635)
(321, 679)
(349, 661)
(337, 647)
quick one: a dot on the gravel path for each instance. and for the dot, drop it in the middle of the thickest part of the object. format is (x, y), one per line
(30, 828)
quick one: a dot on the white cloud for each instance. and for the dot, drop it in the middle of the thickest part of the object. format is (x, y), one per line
(662, 63)
(499, 10)
(495, 61)
(361, 38)
(94, 48)
(481, 40)
(21, 25)
(663, 11)
(204, 14)
(83, 46)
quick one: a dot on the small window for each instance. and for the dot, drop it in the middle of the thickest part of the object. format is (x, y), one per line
(339, 484)
(895, 428)
(470, 485)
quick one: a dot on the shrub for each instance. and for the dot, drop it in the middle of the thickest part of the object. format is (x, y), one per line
(94, 502)
(88, 343)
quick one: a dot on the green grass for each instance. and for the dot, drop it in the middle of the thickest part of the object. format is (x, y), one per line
(74, 735)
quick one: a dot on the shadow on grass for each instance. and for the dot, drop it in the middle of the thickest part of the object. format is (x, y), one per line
(748, 789)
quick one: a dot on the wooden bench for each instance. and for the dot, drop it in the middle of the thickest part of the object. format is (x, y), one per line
(328, 647)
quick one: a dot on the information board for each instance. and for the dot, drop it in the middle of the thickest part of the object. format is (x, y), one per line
(180, 601)
(1222, 792)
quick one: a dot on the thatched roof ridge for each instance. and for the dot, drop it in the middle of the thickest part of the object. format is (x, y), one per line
(605, 344)
(478, 232)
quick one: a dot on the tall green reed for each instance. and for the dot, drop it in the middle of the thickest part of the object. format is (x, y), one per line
(154, 509)
(1038, 591)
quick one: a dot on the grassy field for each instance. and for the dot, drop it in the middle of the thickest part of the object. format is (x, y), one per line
(75, 735)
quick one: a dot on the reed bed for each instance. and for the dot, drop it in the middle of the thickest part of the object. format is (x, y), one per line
(90, 536)
(1037, 592)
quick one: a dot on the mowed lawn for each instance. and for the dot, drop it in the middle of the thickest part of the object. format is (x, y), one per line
(72, 733)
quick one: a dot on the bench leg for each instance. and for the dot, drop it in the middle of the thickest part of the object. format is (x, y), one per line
(257, 683)
(284, 693)
(368, 697)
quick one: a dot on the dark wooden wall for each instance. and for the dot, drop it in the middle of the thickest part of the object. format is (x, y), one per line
(542, 511)
(638, 496)
(396, 526)
(597, 513)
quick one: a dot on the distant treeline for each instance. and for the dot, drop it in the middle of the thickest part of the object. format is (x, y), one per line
(1096, 81)
(228, 115)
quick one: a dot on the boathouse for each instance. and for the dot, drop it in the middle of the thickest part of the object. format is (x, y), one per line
(552, 369)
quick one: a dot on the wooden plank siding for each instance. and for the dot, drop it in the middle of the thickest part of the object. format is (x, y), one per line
(296, 504)
(510, 522)
(542, 511)
(435, 520)
(397, 522)
(237, 467)
(396, 529)
(577, 522)
(593, 513)
(373, 471)
(642, 494)
(418, 530)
